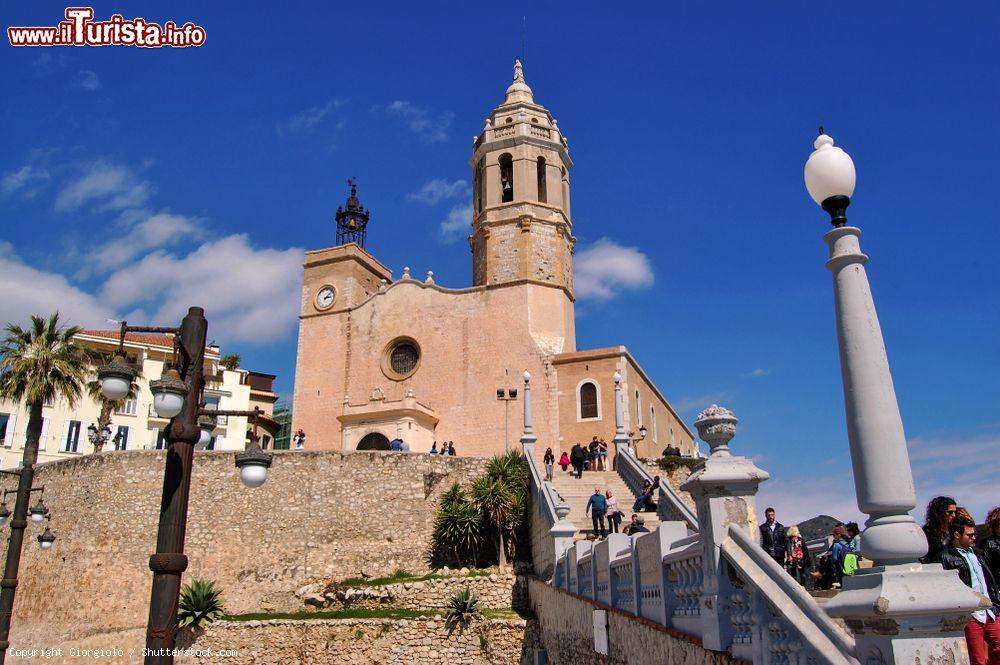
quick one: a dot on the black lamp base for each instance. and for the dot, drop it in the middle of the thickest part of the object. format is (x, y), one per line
(837, 206)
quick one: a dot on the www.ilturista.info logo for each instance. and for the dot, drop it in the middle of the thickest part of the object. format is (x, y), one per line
(79, 29)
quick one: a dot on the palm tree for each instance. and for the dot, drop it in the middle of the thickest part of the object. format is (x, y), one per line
(231, 361)
(500, 496)
(38, 364)
(108, 405)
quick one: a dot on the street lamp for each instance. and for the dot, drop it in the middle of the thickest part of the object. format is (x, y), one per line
(917, 609)
(507, 396)
(4, 513)
(98, 437)
(38, 512)
(177, 396)
(46, 539)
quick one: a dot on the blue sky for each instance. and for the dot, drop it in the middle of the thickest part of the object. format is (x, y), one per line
(689, 127)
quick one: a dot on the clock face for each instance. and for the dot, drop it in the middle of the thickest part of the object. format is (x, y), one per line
(325, 297)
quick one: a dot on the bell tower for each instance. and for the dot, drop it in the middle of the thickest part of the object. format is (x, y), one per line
(521, 228)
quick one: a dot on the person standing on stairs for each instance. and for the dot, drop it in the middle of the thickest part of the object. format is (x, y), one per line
(600, 509)
(577, 456)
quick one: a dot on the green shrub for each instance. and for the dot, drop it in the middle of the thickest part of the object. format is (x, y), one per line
(671, 463)
(200, 603)
(457, 528)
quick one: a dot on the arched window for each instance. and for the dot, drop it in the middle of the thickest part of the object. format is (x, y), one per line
(588, 401)
(506, 178)
(638, 410)
(478, 186)
(542, 195)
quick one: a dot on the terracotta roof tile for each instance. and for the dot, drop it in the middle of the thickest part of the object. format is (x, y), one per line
(149, 339)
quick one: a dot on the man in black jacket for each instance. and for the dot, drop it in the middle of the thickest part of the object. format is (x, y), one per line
(577, 455)
(772, 538)
(982, 632)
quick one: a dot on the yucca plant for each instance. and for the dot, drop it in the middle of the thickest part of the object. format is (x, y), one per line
(500, 495)
(463, 607)
(457, 527)
(201, 603)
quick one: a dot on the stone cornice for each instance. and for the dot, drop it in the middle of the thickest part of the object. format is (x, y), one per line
(443, 290)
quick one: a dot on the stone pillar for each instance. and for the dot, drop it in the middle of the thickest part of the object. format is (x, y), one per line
(562, 531)
(528, 437)
(900, 611)
(621, 439)
(723, 490)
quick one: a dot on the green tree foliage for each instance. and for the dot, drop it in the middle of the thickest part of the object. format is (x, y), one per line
(492, 511)
(457, 528)
(231, 361)
(200, 603)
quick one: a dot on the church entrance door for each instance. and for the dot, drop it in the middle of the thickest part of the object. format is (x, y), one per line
(373, 441)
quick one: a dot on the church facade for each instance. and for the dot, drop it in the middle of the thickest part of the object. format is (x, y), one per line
(381, 358)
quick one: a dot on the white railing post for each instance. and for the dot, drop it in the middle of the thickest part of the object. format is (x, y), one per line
(723, 490)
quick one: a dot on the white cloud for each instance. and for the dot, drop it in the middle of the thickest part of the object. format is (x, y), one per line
(428, 128)
(159, 230)
(757, 373)
(27, 290)
(606, 268)
(116, 186)
(308, 120)
(960, 467)
(796, 499)
(438, 190)
(86, 80)
(249, 295)
(28, 178)
(457, 223)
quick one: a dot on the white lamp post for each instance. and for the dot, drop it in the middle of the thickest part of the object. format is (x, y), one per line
(621, 439)
(528, 437)
(900, 611)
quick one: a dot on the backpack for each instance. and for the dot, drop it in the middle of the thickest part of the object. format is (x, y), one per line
(850, 563)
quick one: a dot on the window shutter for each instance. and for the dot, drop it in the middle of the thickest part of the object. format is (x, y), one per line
(11, 430)
(45, 429)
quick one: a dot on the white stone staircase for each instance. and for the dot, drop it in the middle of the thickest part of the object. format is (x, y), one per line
(576, 492)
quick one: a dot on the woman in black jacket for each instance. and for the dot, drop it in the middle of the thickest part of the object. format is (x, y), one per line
(940, 513)
(991, 544)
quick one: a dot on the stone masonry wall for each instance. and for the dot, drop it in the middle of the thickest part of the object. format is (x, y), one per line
(495, 590)
(320, 516)
(506, 641)
(365, 641)
(674, 478)
(566, 629)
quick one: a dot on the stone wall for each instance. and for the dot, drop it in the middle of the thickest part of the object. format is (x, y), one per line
(508, 641)
(364, 641)
(674, 478)
(495, 590)
(566, 628)
(320, 516)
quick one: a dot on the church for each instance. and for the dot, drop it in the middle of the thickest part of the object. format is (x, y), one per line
(382, 358)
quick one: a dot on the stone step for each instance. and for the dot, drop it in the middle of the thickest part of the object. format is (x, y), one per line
(576, 492)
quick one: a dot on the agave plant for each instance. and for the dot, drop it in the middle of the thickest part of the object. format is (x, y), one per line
(463, 607)
(200, 603)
